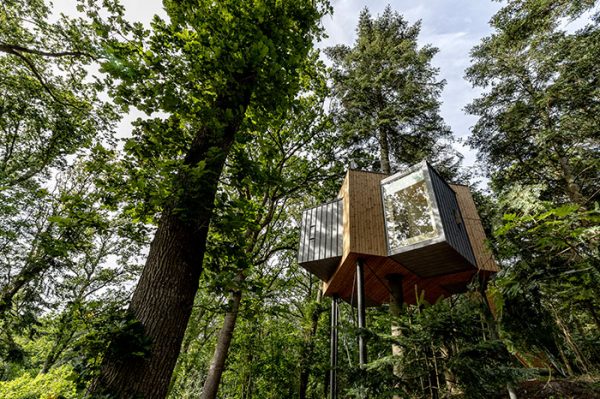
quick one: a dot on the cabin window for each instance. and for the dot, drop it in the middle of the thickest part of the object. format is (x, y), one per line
(408, 211)
(313, 232)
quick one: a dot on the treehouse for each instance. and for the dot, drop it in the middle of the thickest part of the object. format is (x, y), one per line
(411, 227)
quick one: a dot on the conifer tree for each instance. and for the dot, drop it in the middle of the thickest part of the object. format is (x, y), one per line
(386, 96)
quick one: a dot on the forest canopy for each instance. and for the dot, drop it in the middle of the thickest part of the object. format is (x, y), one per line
(153, 178)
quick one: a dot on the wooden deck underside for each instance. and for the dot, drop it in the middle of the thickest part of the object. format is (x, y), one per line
(377, 268)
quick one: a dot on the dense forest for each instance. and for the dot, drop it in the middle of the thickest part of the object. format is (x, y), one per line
(163, 264)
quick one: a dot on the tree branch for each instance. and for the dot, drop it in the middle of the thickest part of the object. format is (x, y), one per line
(33, 69)
(12, 48)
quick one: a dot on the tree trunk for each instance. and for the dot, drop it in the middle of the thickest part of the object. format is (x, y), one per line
(163, 299)
(396, 302)
(384, 151)
(572, 187)
(217, 364)
(584, 366)
(493, 329)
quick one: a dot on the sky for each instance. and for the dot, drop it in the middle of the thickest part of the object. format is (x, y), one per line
(453, 26)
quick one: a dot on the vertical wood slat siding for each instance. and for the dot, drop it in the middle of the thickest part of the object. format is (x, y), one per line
(328, 233)
(366, 232)
(456, 233)
(344, 195)
(483, 255)
(340, 225)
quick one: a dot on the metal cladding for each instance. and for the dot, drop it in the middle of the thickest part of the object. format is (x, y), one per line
(424, 226)
(321, 239)
(452, 220)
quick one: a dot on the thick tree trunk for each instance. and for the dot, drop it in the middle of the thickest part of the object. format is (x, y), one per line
(217, 364)
(163, 299)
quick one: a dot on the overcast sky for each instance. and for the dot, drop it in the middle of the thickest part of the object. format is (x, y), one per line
(453, 26)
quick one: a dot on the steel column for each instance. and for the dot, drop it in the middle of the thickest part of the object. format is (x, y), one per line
(360, 302)
(333, 349)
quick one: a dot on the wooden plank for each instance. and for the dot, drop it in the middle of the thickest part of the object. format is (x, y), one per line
(366, 225)
(376, 287)
(344, 195)
(483, 255)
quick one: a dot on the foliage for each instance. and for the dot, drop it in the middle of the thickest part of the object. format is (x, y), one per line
(253, 233)
(204, 73)
(447, 348)
(537, 123)
(58, 383)
(241, 79)
(537, 136)
(50, 106)
(66, 254)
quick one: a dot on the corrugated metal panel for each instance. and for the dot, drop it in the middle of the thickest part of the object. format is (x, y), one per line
(475, 232)
(454, 226)
(303, 246)
(321, 239)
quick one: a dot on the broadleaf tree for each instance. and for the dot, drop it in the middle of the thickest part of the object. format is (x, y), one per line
(50, 109)
(207, 68)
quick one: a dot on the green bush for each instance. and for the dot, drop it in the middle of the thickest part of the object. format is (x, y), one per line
(58, 383)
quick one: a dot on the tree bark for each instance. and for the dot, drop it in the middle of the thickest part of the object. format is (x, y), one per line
(396, 302)
(163, 299)
(384, 151)
(572, 187)
(217, 364)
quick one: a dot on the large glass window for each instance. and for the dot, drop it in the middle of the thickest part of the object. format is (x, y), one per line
(408, 210)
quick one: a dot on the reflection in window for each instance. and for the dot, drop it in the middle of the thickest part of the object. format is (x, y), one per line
(408, 211)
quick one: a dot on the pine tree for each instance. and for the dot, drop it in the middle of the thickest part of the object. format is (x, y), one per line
(537, 134)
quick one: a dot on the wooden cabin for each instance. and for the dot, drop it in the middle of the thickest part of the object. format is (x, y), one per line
(411, 224)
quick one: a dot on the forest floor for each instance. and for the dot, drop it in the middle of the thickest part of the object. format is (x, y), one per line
(581, 388)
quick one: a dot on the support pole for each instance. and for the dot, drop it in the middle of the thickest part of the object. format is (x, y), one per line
(333, 349)
(360, 302)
